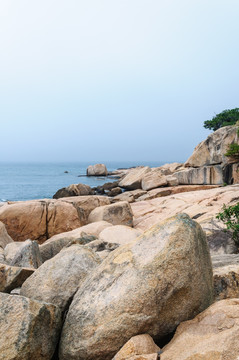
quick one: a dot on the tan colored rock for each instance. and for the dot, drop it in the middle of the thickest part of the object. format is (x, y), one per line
(12, 277)
(27, 255)
(2, 257)
(58, 279)
(153, 180)
(155, 193)
(41, 219)
(29, 329)
(212, 150)
(137, 345)
(170, 168)
(119, 213)
(11, 250)
(74, 190)
(130, 196)
(152, 283)
(172, 180)
(201, 205)
(4, 237)
(212, 335)
(144, 357)
(53, 246)
(134, 177)
(207, 175)
(119, 234)
(97, 170)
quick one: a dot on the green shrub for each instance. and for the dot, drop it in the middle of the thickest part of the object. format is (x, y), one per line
(233, 151)
(226, 117)
(230, 217)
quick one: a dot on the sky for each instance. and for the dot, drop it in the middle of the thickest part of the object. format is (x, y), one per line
(105, 80)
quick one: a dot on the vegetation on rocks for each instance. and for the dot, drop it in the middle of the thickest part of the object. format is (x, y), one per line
(224, 118)
(230, 217)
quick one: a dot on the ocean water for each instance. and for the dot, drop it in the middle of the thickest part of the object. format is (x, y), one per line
(27, 181)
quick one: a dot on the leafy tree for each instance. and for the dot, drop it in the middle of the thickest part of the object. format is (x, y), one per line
(230, 217)
(226, 117)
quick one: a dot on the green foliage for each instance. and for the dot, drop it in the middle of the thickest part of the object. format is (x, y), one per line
(226, 117)
(230, 217)
(233, 151)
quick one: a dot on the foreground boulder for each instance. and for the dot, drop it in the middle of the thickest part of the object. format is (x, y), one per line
(57, 279)
(74, 190)
(137, 345)
(212, 335)
(53, 246)
(119, 213)
(29, 329)
(119, 234)
(41, 219)
(150, 285)
(97, 170)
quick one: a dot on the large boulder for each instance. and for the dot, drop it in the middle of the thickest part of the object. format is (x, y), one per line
(97, 170)
(73, 190)
(41, 219)
(29, 329)
(12, 277)
(119, 234)
(4, 237)
(134, 177)
(53, 246)
(212, 150)
(137, 345)
(206, 175)
(149, 285)
(119, 213)
(57, 279)
(152, 180)
(212, 335)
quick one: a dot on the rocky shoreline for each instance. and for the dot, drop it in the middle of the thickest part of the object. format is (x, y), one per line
(112, 272)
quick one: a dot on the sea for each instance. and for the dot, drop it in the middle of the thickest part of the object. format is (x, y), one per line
(28, 181)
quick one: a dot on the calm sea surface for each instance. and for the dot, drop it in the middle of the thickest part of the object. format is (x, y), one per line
(26, 181)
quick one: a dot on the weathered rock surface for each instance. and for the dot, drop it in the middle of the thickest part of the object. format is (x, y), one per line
(115, 191)
(137, 345)
(27, 255)
(11, 250)
(134, 177)
(130, 196)
(119, 234)
(226, 276)
(97, 170)
(2, 257)
(53, 246)
(149, 285)
(73, 190)
(4, 237)
(152, 180)
(29, 329)
(58, 279)
(211, 151)
(212, 335)
(170, 168)
(12, 277)
(206, 175)
(119, 213)
(41, 219)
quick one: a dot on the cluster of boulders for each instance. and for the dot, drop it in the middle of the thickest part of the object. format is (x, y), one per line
(87, 276)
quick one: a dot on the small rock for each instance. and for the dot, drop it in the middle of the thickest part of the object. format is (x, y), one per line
(74, 190)
(4, 237)
(12, 277)
(27, 255)
(114, 192)
(119, 213)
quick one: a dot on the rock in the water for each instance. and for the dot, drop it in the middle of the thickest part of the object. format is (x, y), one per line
(53, 246)
(152, 180)
(115, 191)
(27, 255)
(41, 219)
(149, 285)
(97, 170)
(134, 177)
(29, 329)
(12, 277)
(119, 213)
(74, 190)
(212, 150)
(137, 345)
(119, 234)
(57, 280)
(4, 237)
(212, 335)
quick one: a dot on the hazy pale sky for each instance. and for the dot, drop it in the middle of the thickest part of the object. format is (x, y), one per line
(114, 79)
